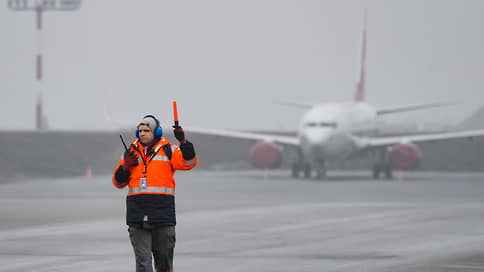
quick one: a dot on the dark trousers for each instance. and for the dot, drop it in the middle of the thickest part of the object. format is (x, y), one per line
(158, 242)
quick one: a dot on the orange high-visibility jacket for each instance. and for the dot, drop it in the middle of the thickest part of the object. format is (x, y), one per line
(153, 201)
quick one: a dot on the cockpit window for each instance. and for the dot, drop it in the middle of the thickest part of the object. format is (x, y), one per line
(322, 124)
(311, 124)
(328, 124)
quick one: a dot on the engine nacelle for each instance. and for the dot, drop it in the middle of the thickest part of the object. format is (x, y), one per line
(404, 156)
(265, 155)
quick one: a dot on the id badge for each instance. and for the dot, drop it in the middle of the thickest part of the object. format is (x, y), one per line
(142, 182)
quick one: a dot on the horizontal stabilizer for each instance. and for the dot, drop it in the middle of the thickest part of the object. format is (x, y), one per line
(414, 107)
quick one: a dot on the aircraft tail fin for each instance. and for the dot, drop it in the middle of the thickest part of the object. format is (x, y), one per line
(360, 86)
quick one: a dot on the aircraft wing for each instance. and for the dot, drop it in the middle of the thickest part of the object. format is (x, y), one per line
(385, 141)
(287, 140)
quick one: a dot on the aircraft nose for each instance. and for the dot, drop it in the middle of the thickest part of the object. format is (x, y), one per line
(316, 137)
(315, 141)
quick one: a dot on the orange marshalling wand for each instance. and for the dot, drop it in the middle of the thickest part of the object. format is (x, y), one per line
(175, 112)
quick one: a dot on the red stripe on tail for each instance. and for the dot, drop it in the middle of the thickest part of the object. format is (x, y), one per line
(360, 86)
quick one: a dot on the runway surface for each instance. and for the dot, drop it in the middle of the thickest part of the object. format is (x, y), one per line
(238, 221)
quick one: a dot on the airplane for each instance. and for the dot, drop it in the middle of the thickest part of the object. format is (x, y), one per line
(338, 131)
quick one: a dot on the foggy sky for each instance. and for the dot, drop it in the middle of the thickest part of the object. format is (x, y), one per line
(225, 62)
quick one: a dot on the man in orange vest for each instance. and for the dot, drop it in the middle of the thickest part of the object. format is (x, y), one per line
(147, 168)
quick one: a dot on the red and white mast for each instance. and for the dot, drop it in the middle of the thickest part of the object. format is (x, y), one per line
(39, 117)
(39, 6)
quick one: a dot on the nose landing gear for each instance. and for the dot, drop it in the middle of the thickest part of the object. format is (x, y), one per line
(306, 168)
(321, 170)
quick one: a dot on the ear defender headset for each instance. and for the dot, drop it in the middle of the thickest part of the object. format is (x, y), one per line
(158, 132)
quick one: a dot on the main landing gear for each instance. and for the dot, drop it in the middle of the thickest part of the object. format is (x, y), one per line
(382, 165)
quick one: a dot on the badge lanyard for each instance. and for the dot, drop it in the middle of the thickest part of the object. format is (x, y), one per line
(144, 156)
(142, 180)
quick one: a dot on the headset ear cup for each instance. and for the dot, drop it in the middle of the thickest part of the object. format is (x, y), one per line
(137, 133)
(158, 132)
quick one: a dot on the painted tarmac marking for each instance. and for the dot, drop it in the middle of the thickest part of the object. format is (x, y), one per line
(471, 267)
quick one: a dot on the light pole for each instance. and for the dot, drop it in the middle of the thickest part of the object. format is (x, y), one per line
(40, 6)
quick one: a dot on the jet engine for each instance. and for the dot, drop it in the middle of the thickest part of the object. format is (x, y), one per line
(404, 156)
(265, 155)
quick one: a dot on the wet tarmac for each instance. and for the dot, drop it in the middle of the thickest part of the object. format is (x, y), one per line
(239, 221)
